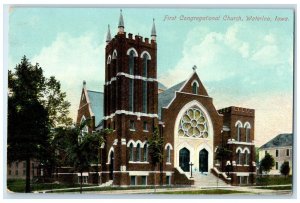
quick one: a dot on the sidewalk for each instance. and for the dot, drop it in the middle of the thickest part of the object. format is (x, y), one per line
(249, 190)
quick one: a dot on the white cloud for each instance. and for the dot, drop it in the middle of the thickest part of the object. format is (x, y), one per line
(209, 51)
(72, 60)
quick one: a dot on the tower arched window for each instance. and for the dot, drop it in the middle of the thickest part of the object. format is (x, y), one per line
(131, 62)
(246, 158)
(247, 131)
(195, 88)
(138, 152)
(168, 154)
(131, 152)
(145, 65)
(238, 126)
(145, 152)
(239, 157)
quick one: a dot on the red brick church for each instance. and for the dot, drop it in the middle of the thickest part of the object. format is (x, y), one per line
(217, 145)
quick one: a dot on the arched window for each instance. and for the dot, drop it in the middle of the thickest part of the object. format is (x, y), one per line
(138, 152)
(145, 152)
(145, 65)
(195, 88)
(145, 98)
(131, 152)
(131, 62)
(246, 158)
(168, 154)
(247, 131)
(239, 157)
(238, 126)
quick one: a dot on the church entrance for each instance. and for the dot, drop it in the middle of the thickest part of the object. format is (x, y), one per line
(111, 166)
(184, 159)
(203, 160)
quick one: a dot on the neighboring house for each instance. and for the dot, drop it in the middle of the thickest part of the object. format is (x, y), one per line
(17, 169)
(281, 149)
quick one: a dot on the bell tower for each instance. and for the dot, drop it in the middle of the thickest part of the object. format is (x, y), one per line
(130, 102)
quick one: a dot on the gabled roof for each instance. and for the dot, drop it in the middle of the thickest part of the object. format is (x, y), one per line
(161, 86)
(281, 140)
(166, 97)
(96, 104)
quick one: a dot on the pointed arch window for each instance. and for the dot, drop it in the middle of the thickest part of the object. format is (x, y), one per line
(131, 62)
(145, 65)
(238, 131)
(131, 152)
(168, 154)
(239, 157)
(145, 152)
(246, 158)
(138, 152)
(195, 88)
(247, 131)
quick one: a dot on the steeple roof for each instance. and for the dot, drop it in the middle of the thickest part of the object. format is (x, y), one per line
(121, 21)
(153, 30)
(108, 36)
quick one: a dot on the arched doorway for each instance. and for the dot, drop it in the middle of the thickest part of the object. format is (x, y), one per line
(111, 166)
(203, 160)
(184, 159)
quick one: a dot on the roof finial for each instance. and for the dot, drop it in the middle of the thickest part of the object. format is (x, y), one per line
(108, 36)
(121, 23)
(153, 31)
(194, 68)
(84, 83)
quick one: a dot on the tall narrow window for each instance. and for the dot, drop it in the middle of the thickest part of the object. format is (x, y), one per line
(145, 65)
(168, 154)
(287, 152)
(247, 134)
(277, 152)
(145, 152)
(138, 152)
(145, 93)
(195, 88)
(131, 62)
(239, 157)
(246, 158)
(131, 152)
(238, 132)
(131, 94)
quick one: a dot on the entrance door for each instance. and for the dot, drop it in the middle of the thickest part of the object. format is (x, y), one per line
(203, 160)
(184, 159)
(111, 166)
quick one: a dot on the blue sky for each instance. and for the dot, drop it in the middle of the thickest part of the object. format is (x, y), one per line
(243, 63)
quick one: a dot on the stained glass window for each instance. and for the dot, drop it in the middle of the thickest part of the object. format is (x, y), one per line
(193, 124)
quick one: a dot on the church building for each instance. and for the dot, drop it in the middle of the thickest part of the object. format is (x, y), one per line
(202, 145)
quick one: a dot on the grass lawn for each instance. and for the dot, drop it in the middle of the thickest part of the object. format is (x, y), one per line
(18, 185)
(203, 192)
(273, 180)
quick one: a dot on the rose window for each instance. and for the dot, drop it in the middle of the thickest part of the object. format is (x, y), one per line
(193, 124)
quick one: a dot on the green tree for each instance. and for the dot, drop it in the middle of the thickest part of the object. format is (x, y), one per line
(54, 101)
(285, 168)
(36, 105)
(156, 143)
(82, 147)
(28, 121)
(223, 154)
(267, 163)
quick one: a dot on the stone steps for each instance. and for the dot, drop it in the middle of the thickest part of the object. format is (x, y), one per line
(208, 180)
